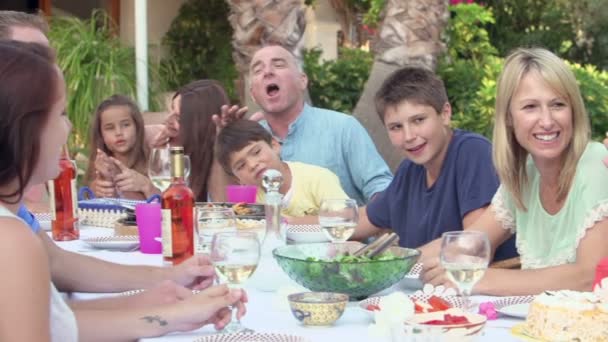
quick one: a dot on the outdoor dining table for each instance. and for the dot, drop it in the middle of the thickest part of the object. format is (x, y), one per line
(267, 311)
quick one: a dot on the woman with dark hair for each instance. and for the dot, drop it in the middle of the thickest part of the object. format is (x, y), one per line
(190, 124)
(33, 130)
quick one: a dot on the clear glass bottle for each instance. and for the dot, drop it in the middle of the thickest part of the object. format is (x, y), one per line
(177, 208)
(272, 181)
(64, 200)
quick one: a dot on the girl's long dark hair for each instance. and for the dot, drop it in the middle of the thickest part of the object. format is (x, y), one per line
(29, 83)
(199, 101)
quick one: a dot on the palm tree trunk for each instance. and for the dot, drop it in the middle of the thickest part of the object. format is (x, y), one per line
(260, 22)
(410, 33)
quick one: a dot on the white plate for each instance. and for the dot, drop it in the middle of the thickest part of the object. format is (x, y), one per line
(514, 306)
(306, 233)
(515, 310)
(123, 242)
(251, 337)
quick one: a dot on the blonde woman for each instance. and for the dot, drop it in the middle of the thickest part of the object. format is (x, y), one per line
(552, 192)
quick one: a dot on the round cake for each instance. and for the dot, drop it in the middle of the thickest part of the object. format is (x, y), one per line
(568, 316)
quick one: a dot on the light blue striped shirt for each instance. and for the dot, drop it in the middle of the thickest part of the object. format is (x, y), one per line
(339, 143)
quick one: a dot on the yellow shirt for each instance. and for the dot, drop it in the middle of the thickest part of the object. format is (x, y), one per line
(310, 184)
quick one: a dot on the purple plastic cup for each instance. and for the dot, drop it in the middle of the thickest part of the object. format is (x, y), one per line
(148, 220)
(241, 193)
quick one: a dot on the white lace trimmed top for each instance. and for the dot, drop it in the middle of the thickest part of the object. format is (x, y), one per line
(545, 240)
(62, 319)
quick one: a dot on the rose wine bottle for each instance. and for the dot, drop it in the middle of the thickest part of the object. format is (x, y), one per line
(64, 201)
(177, 213)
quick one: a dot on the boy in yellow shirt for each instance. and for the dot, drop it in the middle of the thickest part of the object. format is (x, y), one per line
(245, 149)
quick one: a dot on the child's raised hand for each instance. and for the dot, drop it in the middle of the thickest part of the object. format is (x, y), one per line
(102, 187)
(228, 115)
(104, 166)
(130, 180)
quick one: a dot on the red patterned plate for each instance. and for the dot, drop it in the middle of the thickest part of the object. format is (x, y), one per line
(251, 337)
(455, 301)
(415, 271)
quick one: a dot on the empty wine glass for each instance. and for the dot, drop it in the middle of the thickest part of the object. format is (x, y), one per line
(212, 220)
(338, 218)
(235, 256)
(159, 167)
(465, 256)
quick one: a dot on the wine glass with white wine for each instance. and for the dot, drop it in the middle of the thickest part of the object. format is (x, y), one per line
(465, 256)
(235, 256)
(159, 167)
(338, 218)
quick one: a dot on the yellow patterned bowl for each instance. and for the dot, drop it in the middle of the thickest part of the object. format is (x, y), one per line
(317, 308)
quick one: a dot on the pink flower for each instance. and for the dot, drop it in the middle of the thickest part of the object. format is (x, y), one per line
(487, 309)
(456, 2)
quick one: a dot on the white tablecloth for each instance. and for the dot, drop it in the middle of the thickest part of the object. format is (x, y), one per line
(265, 314)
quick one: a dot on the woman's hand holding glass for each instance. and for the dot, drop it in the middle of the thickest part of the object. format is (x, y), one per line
(338, 218)
(235, 256)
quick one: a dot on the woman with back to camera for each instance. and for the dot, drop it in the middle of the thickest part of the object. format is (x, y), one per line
(33, 130)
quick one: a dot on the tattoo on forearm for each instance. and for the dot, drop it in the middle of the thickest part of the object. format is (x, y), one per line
(152, 319)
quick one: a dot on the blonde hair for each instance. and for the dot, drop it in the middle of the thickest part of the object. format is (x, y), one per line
(509, 156)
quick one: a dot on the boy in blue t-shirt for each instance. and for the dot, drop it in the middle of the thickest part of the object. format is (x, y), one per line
(447, 179)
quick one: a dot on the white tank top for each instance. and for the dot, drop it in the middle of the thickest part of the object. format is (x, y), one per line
(63, 321)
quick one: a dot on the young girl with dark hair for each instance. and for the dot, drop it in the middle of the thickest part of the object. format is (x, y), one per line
(119, 155)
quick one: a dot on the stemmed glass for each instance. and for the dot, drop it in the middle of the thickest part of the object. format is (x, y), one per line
(212, 220)
(338, 218)
(235, 256)
(465, 256)
(159, 167)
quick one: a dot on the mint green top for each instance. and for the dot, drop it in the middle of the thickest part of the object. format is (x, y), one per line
(545, 240)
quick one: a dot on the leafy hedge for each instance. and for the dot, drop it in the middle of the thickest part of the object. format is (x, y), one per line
(471, 67)
(199, 46)
(337, 84)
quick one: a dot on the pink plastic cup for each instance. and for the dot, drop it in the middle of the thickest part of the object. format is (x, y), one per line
(148, 220)
(241, 193)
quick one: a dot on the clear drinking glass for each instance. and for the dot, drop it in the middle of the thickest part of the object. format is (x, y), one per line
(212, 220)
(159, 167)
(465, 256)
(235, 256)
(338, 218)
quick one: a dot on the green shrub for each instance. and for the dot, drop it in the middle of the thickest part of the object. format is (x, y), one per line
(471, 68)
(594, 89)
(337, 84)
(95, 65)
(199, 46)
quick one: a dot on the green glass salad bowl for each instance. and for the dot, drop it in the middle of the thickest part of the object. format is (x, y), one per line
(329, 267)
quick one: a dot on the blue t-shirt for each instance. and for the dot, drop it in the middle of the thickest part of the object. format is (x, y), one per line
(337, 142)
(30, 219)
(420, 214)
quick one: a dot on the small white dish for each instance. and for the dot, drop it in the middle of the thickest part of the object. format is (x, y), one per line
(515, 310)
(306, 233)
(514, 306)
(122, 242)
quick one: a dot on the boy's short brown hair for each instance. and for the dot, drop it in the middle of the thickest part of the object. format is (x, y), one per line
(414, 84)
(10, 19)
(235, 137)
